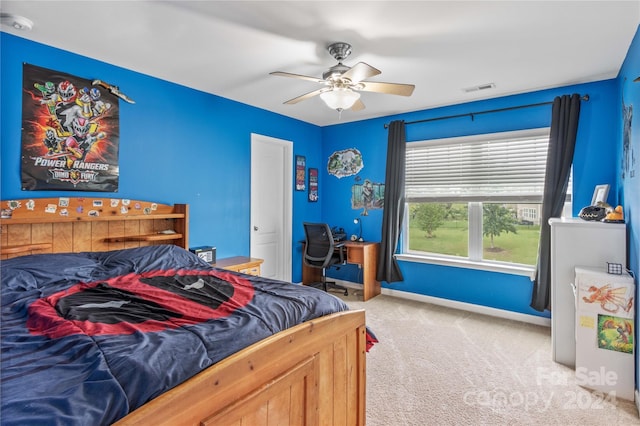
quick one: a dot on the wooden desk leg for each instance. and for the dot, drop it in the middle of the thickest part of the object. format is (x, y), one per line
(371, 287)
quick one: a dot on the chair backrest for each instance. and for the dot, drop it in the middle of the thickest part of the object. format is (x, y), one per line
(319, 244)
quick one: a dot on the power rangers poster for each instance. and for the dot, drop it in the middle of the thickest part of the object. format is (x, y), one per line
(70, 133)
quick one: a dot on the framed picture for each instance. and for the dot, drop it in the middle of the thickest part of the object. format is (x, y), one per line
(313, 184)
(600, 194)
(301, 164)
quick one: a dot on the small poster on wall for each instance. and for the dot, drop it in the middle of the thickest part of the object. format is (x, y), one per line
(70, 133)
(301, 164)
(313, 184)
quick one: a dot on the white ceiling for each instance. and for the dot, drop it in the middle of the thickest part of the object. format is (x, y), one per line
(228, 48)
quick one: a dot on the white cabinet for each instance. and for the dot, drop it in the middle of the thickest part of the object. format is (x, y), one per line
(576, 242)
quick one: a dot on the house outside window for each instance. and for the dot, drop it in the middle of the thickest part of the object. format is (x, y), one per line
(528, 215)
(476, 200)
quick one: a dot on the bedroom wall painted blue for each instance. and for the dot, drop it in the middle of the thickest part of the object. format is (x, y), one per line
(177, 145)
(594, 163)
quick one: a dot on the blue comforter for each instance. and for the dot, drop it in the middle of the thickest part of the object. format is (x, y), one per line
(89, 337)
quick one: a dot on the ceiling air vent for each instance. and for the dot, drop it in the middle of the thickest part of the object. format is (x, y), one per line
(480, 87)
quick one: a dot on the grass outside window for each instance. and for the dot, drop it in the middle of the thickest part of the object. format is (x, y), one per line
(451, 238)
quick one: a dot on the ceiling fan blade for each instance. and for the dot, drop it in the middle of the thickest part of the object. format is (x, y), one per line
(306, 96)
(357, 106)
(387, 88)
(299, 76)
(360, 71)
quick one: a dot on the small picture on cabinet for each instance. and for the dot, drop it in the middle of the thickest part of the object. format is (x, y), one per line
(615, 333)
(600, 194)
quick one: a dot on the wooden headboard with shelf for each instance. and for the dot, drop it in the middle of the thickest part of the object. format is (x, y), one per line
(76, 224)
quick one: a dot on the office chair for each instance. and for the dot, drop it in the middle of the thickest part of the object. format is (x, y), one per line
(322, 252)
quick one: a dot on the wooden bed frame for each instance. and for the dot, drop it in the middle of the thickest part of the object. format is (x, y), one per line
(311, 374)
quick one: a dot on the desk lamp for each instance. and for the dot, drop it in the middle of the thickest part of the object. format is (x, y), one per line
(359, 221)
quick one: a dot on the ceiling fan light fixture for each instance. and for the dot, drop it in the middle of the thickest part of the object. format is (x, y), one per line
(340, 98)
(342, 84)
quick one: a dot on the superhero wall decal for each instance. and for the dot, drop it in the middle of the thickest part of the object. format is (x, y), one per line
(70, 133)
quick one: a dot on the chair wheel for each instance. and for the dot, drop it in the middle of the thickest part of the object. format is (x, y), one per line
(346, 292)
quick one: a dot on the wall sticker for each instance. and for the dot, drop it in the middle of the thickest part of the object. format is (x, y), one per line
(344, 163)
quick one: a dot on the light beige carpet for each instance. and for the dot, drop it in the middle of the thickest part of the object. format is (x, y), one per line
(441, 366)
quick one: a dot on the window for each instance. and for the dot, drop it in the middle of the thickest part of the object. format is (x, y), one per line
(476, 199)
(529, 214)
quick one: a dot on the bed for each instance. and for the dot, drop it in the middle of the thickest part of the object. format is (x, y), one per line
(108, 318)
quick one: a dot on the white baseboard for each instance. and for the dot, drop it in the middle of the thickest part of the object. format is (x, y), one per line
(470, 307)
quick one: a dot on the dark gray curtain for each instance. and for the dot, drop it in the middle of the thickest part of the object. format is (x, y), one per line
(388, 269)
(562, 141)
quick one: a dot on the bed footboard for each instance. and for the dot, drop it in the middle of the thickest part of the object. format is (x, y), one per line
(311, 374)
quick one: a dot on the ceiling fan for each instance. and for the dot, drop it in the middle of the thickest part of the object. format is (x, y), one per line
(342, 83)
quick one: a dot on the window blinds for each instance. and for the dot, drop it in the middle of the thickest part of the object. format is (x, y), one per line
(503, 167)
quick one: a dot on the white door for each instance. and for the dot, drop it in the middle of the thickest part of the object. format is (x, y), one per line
(271, 205)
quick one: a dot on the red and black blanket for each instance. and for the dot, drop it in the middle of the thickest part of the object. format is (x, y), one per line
(89, 337)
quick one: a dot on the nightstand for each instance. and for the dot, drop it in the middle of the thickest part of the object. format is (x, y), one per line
(242, 264)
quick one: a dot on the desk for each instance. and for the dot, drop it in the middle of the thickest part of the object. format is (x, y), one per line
(364, 254)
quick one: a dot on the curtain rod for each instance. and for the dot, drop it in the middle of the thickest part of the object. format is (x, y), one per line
(473, 114)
